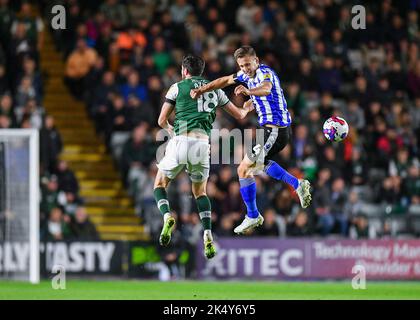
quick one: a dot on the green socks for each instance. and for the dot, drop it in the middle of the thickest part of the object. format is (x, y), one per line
(162, 200)
(204, 209)
(203, 205)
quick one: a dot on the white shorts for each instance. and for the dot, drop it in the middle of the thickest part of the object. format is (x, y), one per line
(186, 152)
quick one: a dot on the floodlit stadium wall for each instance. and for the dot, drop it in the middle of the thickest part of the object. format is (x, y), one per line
(256, 258)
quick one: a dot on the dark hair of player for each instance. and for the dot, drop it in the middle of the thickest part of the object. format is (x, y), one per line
(194, 64)
(244, 51)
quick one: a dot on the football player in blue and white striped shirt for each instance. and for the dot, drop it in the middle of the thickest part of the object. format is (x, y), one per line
(263, 87)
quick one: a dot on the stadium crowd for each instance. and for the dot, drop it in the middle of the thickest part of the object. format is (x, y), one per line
(122, 56)
(21, 106)
(128, 54)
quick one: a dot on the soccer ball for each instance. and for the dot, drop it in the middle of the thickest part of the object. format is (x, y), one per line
(335, 129)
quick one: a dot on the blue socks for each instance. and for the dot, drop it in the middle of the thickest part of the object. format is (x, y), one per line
(249, 187)
(249, 195)
(277, 172)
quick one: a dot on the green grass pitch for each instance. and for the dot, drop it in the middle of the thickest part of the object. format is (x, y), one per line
(203, 290)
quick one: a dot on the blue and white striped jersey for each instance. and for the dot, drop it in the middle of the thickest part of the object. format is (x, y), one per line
(271, 109)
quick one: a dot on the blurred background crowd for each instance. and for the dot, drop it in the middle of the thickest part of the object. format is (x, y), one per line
(122, 56)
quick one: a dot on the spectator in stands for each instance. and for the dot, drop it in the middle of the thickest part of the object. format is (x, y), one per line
(93, 25)
(386, 231)
(307, 80)
(104, 41)
(299, 226)
(50, 144)
(356, 172)
(117, 117)
(6, 109)
(330, 160)
(313, 122)
(78, 65)
(352, 207)
(383, 93)
(322, 202)
(99, 105)
(226, 225)
(116, 13)
(372, 73)
(283, 203)
(30, 71)
(137, 152)
(232, 202)
(92, 79)
(245, 14)
(67, 181)
(49, 194)
(20, 46)
(390, 192)
(399, 167)
(329, 77)
(300, 141)
(360, 92)
(69, 201)
(296, 100)
(33, 25)
(338, 201)
(55, 228)
(191, 228)
(179, 10)
(354, 115)
(81, 227)
(274, 225)
(326, 107)
(5, 122)
(4, 81)
(33, 112)
(133, 88)
(130, 40)
(361, 229)
(161, 57)
(412, 184)
(7, 16)
(25, 91)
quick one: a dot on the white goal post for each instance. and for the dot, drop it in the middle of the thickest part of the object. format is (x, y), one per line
(19, 205)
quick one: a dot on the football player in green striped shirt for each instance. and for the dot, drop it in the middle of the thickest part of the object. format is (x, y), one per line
(189, 147)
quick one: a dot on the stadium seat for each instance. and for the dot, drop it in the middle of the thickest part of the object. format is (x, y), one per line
(364, 193)
(414, 209)
(399, 224)
(377, 223)
(372, 210)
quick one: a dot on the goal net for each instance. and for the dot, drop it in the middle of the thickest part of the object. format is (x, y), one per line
(19, 205)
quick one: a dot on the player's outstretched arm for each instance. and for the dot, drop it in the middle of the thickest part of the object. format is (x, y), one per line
(165, 113)
(219, 83)
(239, 113)
(263, 90)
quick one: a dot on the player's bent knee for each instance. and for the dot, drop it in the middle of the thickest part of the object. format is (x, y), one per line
(199, 190)
(161, 181)
(243, 171)
(200, 194)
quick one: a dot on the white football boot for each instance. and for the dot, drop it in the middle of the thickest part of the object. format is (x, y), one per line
(304, 193)
(249, 223)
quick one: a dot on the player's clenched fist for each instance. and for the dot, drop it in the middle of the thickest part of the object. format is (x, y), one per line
(195, 93)
(248, 105)
(241, 89)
